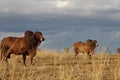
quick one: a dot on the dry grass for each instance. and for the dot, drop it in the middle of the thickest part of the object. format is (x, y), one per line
(51, 65)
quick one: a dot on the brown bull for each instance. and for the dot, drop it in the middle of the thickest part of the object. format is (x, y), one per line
(85, 47)
(26, 45)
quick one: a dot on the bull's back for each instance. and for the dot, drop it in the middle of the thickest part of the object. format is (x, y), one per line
(12, 42)
(76, 46)
(81, 47)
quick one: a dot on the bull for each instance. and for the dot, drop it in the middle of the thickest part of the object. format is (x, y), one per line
(85, 47)
(25, 46)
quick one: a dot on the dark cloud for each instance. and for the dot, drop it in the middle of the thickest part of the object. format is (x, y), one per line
(63, 25)
(55, 21)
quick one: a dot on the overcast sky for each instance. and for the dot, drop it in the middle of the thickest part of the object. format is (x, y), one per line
(63, 22)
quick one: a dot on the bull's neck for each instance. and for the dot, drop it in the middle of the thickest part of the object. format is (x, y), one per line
(38, 43)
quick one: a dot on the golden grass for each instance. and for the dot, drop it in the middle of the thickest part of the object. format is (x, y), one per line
(52, 65)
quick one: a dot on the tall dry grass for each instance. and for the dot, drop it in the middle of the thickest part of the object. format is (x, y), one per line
(52, 65)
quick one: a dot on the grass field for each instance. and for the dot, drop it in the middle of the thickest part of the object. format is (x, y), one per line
(51, 65)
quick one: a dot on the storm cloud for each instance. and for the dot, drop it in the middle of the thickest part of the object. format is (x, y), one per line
(63, 21)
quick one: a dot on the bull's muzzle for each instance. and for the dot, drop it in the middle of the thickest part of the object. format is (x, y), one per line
(43, 39)
(97, 44)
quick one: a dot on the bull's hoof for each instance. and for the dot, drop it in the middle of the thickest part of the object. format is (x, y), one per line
(8, 56)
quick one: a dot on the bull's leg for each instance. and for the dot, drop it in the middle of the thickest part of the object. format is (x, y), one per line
(32, 53)
(8, 56)
(76, 55)
(89, 55)
(31, 59)
(24, 59)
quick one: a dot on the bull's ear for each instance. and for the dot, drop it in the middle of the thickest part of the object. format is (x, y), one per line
(38, 33)
(95, 41)
(89, 41)
(28, 33)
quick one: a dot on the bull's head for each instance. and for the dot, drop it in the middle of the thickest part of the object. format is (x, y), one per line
(33, 39)
(92, 42)
(39, 36)
(95, 42)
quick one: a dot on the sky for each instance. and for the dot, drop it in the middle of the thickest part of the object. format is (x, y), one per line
(63, 22)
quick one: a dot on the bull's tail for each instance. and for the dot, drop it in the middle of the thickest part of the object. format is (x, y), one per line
(1, 59)
(0, 53)
(2, 48)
